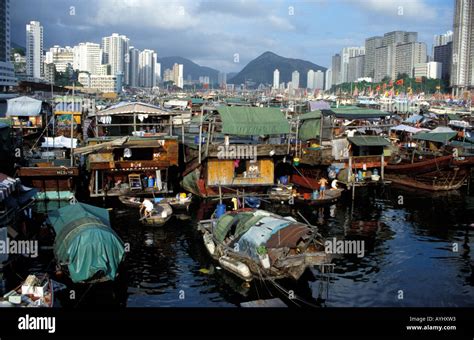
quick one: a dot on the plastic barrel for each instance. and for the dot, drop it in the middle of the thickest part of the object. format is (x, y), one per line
(220, 210)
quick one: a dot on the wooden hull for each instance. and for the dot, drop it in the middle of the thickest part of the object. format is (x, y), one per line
(464, 161)
(331, 197)
(444, 181)
(176, 204)
(438, 163)
(50, 179)
(157, 219)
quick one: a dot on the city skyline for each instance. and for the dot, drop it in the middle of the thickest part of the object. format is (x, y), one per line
(289, 28)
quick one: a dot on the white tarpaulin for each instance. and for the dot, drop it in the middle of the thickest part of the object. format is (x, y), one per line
(59, 142)
(407, 128)
(177, 103)
(23, 106)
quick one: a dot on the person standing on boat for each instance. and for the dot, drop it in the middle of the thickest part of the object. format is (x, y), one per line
(322, 187)
(146, 208)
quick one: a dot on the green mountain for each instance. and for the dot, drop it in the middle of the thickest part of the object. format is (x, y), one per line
(260, 70)
(189, 68)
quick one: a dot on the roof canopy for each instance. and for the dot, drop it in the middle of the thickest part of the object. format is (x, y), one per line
(369, 141)
(354, 112)
(23, 106)
(438, 137)
(253, 121)
(125, 108)
(319, 105)
(407, 128)
(311, 127)
(316, 114)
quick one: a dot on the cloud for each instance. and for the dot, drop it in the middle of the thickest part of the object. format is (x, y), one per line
(210, 31)
(146, 13)
(418, 9)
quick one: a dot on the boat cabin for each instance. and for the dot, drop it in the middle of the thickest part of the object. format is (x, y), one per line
(28, 115)
(234, 148)
(130, 165)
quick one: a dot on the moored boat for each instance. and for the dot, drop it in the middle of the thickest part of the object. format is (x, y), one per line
(180, 203)
(161, 214)
(423, 166)
(330, 196)
(256, 244)
(451, 179)
(86, 246)
(33, 292)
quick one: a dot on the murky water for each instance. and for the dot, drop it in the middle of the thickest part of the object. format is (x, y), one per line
(410, 257)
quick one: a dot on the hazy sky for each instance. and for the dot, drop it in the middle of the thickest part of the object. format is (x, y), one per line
(211, 32)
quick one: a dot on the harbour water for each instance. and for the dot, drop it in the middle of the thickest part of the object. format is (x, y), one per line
(416, 254)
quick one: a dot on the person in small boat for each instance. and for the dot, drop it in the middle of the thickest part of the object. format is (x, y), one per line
(322, 187)
(146, 208)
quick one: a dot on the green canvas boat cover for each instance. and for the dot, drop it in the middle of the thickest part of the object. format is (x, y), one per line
(253, 121)
(438, 137)
(454, 116)
(369, 141)
(311, 127)
(86, 242)
(354, 112)
(316, 114)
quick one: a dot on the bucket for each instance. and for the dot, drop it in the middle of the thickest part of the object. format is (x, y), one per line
(315, 195)
(296, 161)
(284, 180)
(220, 210)
(307, 196)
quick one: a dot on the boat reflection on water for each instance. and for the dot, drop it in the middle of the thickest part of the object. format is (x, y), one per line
(407, 237)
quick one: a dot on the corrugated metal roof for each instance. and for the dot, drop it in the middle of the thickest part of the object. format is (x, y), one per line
(354, 112)
(439, 137)
(369, 141)
(135, 107)
(316, 114)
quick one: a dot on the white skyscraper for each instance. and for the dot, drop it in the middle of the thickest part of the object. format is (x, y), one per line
(318, 80)
(147, 61)
(310, 80)
(115, 52)
(158, 73)
(178, 75)
(134, 66)
(276, 79)
(7, 72)
(443, 39)
(328, 83)
(295, 80)
(462, 71)
(34, 49)
(87, 57)
(222, 79)
(346, 54)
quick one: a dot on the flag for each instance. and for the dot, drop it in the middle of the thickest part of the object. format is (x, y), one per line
(377, 88)
(399, 82)
(384, 86)
(390, 83)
